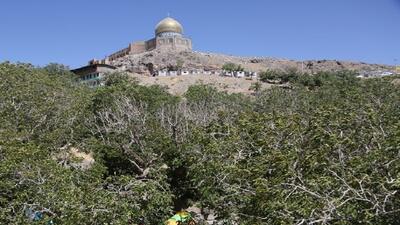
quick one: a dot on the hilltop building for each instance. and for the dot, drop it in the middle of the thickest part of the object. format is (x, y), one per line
(168, 36)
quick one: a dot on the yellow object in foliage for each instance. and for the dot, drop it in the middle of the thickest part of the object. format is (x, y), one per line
(398, 69)
(171, 222)
(179, 218)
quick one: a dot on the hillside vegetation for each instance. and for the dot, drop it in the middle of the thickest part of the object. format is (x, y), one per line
(324, 151)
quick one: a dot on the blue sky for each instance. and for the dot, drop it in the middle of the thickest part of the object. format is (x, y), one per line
(72, 32)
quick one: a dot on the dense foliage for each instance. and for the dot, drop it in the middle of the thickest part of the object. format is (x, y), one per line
(325, 151)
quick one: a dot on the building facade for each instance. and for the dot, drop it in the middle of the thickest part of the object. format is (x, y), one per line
(93, 75)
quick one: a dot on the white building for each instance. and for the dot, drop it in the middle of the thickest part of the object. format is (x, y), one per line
(162, 73)
(184, 72)
(239, 73)
(93, 75)
(173, 73)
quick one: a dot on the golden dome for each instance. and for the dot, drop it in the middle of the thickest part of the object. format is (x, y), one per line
(169, 25)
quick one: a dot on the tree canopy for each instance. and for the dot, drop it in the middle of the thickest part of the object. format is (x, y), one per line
(325, 151)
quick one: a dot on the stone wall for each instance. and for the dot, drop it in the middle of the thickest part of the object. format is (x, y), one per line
(119, 54)
(137, 47)
(151, 44)
(175, 43)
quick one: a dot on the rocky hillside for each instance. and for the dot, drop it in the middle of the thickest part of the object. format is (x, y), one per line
(178, 85)
(149, 62)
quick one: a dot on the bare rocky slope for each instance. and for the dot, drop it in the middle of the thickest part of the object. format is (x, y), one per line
(143, 66)
(178, 85)
(149, 62)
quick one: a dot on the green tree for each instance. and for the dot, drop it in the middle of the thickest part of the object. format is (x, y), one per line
(274, 76)
(232, 67)
(305, 157)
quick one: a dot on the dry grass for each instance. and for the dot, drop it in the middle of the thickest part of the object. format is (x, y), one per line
(179, 84)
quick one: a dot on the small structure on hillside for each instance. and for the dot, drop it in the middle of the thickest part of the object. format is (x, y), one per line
(239, 73)
(162, 73)
(173, 73)
(93, 75)
(184, 72)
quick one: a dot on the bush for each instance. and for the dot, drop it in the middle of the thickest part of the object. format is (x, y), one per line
(273, 76)
(232, 67)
